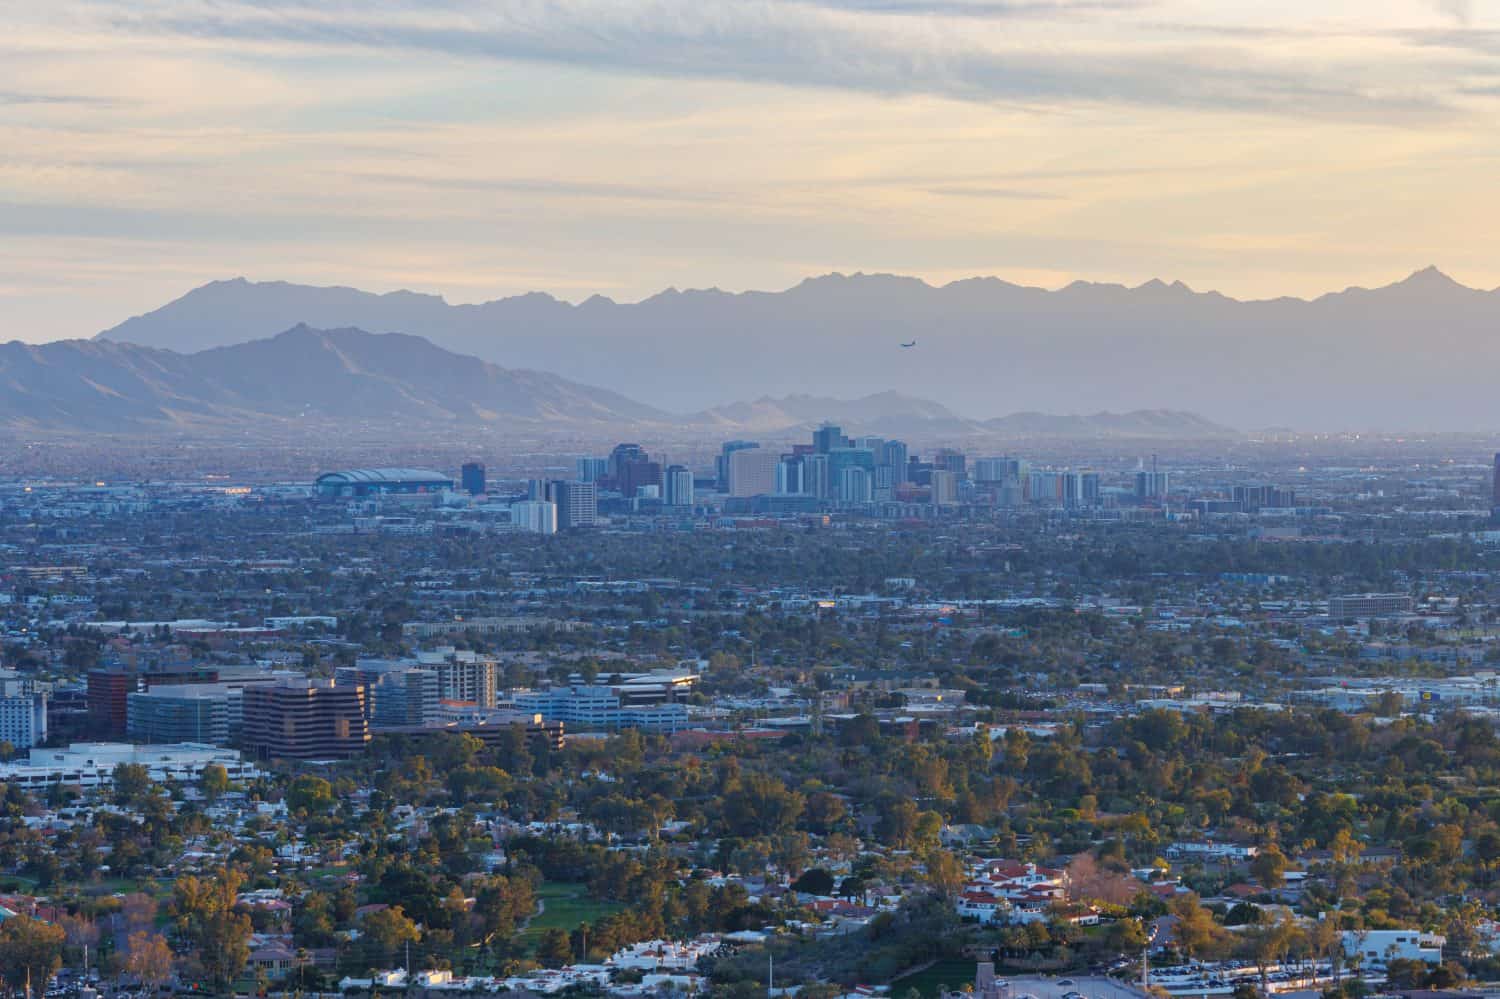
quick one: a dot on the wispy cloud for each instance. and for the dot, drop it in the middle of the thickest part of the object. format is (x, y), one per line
(981, 8)
(20, 98)
(1461, 11)
(869, 46)
(551, 186)
(482, 147)
(985, 191)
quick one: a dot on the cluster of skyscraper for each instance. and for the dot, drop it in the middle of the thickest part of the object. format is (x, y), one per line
(838, 470)
(553, 505)
(833, 467)
(632, 473)
(549, 505)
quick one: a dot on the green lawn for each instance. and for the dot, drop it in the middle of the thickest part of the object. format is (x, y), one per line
(327, 873)
(567, 905)
(104, 886)
(953, 973)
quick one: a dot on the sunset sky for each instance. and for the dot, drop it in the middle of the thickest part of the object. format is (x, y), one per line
(480, 149)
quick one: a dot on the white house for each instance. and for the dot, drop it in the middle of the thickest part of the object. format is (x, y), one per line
(1377, 948)
(1211, 851)
(982, 906)
(1004, 891)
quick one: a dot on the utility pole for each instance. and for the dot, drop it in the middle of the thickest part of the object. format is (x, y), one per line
(770, 974)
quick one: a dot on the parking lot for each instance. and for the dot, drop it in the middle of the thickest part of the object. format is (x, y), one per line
(1053, 988)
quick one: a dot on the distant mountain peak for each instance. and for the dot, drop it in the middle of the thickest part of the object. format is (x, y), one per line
(1397, 356)
(331, 376)
(1430, 276)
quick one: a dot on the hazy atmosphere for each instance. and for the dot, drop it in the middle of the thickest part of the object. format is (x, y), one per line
(477, 150)
(749, 499)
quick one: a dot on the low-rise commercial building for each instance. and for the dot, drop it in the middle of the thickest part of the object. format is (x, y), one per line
(1378, 948)
(92, 764)
(653, 702)
(1358, 605)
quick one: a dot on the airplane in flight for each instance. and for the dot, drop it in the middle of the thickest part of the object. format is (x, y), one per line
(912, 344)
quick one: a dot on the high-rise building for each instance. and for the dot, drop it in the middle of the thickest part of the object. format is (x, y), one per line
(1047, 488)
(471, 476)
(397, 694)
(23, 711)
(424, 698)
(894, 454)
(1151, 485)
(817, 479)
(188, 703)
(856, 485)
(944, 485)
(108, 691)
(1008, 477)
(625, 454)
(634, 475)
(752, 472)
(592, 469)
(789, 478)
(841, 458)
(951, 461)
(1495, 493)
(994, 470)
(305, 720)
(209, 713)
(1079, 489)
(463, 676)
(1089, 491)
(577, 503)
(677, 486)
(534, 516)
(721, 463)
(827, 437)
